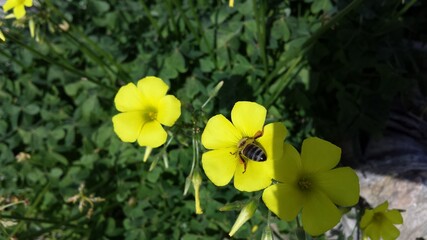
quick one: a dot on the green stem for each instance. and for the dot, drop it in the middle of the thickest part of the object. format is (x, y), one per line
(202, 34)
(261, 26)
(38, 220)
(300, 231)
(2, 52)
(82, 42)
(54, 62)
(32, 207)
(286, 80)
(172, 23)
(406, 7)
(150, 17)
(310, 42)
(350, 7)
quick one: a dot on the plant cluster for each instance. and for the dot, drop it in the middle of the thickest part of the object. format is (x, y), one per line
(207, 90)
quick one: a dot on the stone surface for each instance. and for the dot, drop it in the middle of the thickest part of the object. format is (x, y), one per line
(406, 191)
(394, 166)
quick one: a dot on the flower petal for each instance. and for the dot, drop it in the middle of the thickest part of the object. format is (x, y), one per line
(381, 208)
(366, 218)
(258, 175)
(341, 185)
(153, 89)
(394, 216)
(19, 11)
(2, 37)
(152, 135)
(9, 5)
(319, 214)
(389, 231)
(248, 117)
(169, 110)
(28, 3)
(284, 199)
(319, 155)
(220, 133)
(272, 140)
(129, 98)
(128, 125)
(219, 165)
(288, 167)
(373, 231)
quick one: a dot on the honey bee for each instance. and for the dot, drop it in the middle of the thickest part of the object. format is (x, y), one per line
(249, 149)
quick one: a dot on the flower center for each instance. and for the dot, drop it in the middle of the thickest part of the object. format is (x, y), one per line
(152, 115)
(304, 184)
(378, 217)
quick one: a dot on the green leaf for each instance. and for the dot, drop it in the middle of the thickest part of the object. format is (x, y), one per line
(280, 30)
(321, 5)
(89, 107)
(176, 61)
(99, 6)
(154, 175)
(56, 173)
(206, 64)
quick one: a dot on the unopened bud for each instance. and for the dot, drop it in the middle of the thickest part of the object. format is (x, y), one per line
(267, 234)
(245, 214)
(2, 37)
(32, 27)
(232, 206)
(214, 92)
(147, 153)
(197, 181)
(231, 3)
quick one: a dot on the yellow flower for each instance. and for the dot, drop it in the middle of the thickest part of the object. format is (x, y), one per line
(2, 36)
(225, 140)
(379, 223)
(231, 3)
(144, 108)
(307, 182)
(18, 7)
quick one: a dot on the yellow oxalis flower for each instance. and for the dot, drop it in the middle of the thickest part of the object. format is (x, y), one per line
(18, 7)
(144, 108)
(379, 223)
(307, 182)
(224, 139)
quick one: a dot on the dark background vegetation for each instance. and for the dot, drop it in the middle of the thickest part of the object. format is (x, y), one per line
(328, 68)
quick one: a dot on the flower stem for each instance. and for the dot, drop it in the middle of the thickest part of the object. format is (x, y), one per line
(260, 27)
(278, 70)
(58, 63)
(214, 93)
(300, 231)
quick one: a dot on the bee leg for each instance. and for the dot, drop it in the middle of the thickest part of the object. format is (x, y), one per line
(244, 164)
(258, 134)
(243, 161)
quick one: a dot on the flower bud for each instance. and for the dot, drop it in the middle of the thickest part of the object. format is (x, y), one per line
(147, 153)
(267, 234)
(245, 214)
(32, 26)
(197, 181)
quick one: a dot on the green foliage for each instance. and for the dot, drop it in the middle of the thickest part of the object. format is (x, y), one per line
(57, 93)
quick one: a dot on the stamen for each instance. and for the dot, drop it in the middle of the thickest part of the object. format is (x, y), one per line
(304, 184)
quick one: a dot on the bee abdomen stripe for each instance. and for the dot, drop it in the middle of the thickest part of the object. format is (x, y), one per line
(254, 152)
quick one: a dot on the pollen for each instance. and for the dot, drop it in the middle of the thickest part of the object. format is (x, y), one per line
(152, 115)
(304, 184)
(379, 217)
